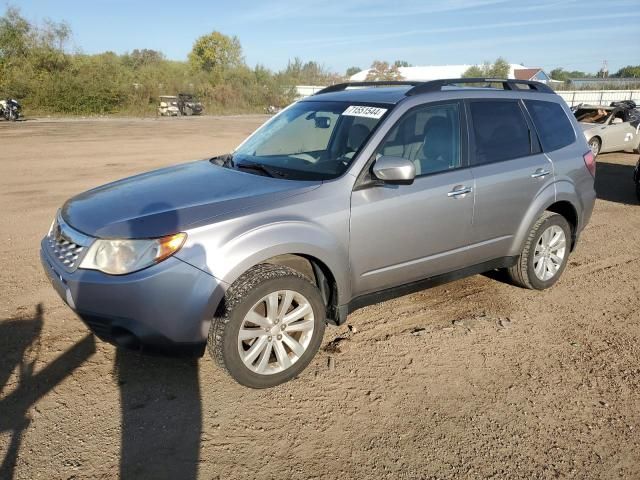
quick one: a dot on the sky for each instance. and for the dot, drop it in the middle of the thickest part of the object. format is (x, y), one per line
(574, 34)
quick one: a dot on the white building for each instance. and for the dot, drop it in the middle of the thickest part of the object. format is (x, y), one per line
(434, 72)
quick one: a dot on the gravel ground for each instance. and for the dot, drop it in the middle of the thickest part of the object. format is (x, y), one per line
(474, 379)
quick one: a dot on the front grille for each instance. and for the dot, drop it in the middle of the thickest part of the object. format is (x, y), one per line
(66, 245)
(66, 252)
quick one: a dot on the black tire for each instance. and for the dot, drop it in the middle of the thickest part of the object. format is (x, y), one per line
(522, 273)
(595, 144)
(245, 292)
(638, 190)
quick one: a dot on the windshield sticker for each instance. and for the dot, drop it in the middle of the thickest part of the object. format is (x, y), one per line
(362, 111)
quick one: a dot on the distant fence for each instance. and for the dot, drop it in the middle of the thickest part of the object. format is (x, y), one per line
(598, 97)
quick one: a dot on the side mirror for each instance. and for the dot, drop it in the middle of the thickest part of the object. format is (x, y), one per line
(616, 121)
(396, 170)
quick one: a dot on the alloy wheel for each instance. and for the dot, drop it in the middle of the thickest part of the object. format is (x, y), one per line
(276, 332)
(549, 253)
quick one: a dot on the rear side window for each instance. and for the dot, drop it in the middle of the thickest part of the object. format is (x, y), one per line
(553, 126)
(501, 131)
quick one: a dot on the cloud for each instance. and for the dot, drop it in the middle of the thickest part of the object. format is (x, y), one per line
(352, 39)
(357, 9)
(480, 49)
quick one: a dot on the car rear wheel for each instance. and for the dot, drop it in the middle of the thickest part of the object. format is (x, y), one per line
(545, 253)
(595, 145)
(271, 326)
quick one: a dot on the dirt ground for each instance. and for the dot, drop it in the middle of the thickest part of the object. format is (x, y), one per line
(474, 379)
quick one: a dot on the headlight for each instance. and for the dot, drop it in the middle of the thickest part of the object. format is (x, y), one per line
(118, 257)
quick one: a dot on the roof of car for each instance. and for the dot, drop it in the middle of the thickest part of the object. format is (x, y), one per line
(390, 95)
(392, 92)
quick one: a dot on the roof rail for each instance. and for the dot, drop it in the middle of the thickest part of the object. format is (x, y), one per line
(507, 84)
(343, 86)
(436, 85)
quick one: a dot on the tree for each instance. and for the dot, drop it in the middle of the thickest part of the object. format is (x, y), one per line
(309, 73)
(216, 53)
(564, 75)
(351, 71)
(383, 71)
(473, 72)
(630, 71)
(140, 58)
(499, 69)
(401, 63)
(14, 35)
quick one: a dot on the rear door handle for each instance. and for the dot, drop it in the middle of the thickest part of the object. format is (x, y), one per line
(459, 191)
(540, 173)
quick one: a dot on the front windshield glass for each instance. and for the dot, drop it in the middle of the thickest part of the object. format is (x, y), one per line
(310, 140)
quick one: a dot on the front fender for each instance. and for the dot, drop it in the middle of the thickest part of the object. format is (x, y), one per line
(228, 258)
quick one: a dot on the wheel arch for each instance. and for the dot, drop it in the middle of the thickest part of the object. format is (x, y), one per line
(304, 247)
(564, 204)
(570, 214)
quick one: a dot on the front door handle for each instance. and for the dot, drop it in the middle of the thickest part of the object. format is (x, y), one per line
(459, 191)
(540, 173)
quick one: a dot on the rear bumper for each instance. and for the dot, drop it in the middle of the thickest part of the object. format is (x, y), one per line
(167, 307)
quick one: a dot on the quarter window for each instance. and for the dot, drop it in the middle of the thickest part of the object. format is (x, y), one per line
(429, 137)
(501, 131)
(553, 126)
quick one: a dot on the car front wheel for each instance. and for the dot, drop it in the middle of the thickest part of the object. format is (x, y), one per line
(269, 328)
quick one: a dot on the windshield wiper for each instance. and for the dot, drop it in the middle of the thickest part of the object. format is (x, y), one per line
(260, 168)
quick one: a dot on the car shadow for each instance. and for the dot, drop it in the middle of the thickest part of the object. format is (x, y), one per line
(161, 416)
(19, 342)
(614, 183)
(160, 406)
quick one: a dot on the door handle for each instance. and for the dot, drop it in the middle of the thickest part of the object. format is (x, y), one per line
(540, 173)
(459, 191)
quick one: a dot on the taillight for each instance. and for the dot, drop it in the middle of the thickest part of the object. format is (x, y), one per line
(590, 162)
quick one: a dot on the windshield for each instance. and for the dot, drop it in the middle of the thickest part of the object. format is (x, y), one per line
(310, 140)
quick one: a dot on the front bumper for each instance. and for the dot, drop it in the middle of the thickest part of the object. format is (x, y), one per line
(166, 307)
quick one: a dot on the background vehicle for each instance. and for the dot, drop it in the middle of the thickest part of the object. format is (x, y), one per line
(168, 106)
(189, 105)
(346, 198)
(610, 128)
(10, 109)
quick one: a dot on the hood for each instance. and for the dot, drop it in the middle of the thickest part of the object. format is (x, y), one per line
(166, 201)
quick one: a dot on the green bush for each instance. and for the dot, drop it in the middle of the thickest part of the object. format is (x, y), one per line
(37, 68)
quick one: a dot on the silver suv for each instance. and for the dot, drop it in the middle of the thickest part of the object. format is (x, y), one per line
(358, 194)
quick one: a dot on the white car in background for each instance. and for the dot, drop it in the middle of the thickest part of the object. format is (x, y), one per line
(610, 128)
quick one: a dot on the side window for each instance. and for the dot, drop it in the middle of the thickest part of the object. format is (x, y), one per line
(501, 131)
(429, 136)
(553, 126)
